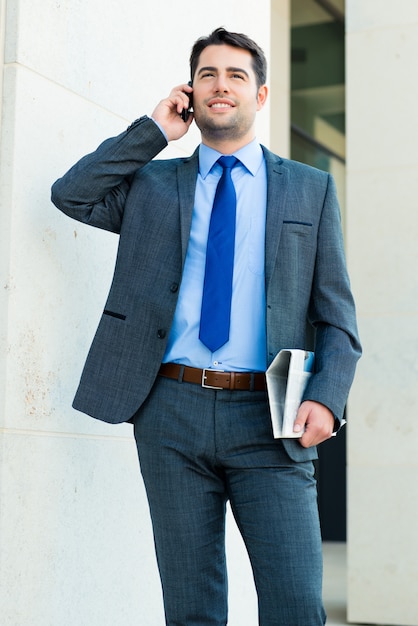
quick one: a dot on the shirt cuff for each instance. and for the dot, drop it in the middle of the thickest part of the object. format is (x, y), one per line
(161, 129)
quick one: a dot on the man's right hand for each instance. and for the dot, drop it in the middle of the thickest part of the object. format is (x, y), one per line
(168, 112)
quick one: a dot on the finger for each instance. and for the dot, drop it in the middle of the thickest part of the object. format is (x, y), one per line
(314, 435)
(300, 421)
(184, 87)
(180, 96)
(299, 426)
(311, 437)
(308, 439)
(179, 102)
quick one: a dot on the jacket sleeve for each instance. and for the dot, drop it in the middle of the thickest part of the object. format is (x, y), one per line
(94, 190)
(332, 314)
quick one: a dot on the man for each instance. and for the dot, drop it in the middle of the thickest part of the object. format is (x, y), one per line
(203, 435)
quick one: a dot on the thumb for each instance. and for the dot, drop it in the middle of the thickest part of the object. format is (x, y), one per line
(300, 421)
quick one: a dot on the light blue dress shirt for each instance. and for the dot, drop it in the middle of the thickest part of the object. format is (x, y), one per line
(246, 348)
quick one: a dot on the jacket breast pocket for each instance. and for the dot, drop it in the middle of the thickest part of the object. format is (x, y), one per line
(299, 226)
(118, 316)
(297, 230)
(297, 245)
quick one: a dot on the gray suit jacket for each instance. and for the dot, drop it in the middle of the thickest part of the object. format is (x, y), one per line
(149, 203)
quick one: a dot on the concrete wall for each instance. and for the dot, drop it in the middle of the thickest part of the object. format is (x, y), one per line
(75, 537)
(73, 513)
(382, 230)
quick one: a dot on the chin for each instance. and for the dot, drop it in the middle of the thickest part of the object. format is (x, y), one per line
(210, 125)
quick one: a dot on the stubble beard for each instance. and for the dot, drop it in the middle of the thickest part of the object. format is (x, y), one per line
(232, 128)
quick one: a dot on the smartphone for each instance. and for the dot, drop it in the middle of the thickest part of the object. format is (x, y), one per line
(186, 112)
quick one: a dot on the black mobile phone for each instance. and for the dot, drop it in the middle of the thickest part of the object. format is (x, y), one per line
(186, 112)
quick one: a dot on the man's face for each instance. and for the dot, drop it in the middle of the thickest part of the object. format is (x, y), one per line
(225, 95)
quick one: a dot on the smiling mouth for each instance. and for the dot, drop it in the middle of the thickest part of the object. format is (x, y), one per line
(221, 105)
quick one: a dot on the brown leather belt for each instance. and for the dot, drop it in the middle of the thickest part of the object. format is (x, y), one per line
(214, 379)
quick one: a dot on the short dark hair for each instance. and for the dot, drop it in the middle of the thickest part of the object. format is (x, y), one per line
(237, 40)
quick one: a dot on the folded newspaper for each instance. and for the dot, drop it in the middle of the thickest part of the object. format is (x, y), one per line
(287, 377)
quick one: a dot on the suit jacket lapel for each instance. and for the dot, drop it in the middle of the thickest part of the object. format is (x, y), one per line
(186, 178)
(277, 187)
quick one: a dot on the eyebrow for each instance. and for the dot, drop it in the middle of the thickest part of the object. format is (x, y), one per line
(209, 68)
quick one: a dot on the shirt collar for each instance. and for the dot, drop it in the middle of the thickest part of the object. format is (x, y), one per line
(251, 156)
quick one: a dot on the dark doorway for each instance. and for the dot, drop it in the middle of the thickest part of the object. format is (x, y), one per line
(332, 489)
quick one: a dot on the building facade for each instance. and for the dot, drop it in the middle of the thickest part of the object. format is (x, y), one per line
(76, 544)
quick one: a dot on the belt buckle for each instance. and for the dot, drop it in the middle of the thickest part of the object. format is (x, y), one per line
(204, 385)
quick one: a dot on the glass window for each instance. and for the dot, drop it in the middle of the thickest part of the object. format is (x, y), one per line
(318, 87)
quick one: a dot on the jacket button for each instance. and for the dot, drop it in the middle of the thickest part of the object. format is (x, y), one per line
(136, 122)
(161, 333)
(174, 287)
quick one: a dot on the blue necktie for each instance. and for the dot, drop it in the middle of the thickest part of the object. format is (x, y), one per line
(217, 285)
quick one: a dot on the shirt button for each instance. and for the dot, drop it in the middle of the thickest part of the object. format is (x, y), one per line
(161, 333)
(216, 362)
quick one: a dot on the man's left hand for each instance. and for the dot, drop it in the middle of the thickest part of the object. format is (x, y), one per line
(318, 422)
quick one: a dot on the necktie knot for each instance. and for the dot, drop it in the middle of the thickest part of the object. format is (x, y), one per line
(227, 162)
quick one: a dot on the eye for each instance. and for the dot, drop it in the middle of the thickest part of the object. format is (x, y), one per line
(240, 76)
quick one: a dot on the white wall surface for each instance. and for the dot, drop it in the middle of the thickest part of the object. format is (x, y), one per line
(75, 537)
(382, 230)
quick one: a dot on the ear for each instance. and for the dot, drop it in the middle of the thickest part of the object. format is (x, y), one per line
(262, 96)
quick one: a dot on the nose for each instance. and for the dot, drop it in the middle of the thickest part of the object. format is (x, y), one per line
(221, 84)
